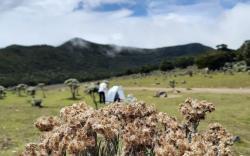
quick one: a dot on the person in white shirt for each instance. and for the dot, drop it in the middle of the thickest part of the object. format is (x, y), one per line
(103, 89)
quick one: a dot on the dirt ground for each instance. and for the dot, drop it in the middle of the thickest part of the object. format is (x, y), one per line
(195, 90)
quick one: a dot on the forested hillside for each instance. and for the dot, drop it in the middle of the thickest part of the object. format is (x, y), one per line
(81, 59)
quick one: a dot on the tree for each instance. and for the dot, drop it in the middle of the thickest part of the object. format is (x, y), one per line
(147, 68)
(190, 73)
(172, 84)
(214, 60)
(222, 47)
(31, 91)
(183, 62)
(2, 92)
(244, 52)
(73, 84)
(41, 86)
(128, 72)
(20, 88)
(166, 65)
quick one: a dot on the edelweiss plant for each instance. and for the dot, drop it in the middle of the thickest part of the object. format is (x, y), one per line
(2, 92)
(135, 129)
(193, 112)
(20, 88)
(41, 86)
(74, 85)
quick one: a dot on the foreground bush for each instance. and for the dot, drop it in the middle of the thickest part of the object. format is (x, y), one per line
(136, 129)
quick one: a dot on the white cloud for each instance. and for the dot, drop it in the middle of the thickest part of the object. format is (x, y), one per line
(53, 22)
(203, 8)
(95, 3)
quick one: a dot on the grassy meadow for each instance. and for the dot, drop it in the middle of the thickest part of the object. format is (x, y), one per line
(232, 110)
(214, 80)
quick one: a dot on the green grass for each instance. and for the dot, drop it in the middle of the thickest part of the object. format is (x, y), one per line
(17, 117)
(215, 80)
(232, 111)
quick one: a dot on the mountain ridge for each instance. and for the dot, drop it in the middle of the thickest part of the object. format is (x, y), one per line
(81, 59)
(90, 42)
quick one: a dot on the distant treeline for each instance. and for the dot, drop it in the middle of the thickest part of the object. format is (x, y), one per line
(213, 60)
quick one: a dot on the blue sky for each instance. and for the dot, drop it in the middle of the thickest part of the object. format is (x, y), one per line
(139, 8)
(142, 7)
(139, 23)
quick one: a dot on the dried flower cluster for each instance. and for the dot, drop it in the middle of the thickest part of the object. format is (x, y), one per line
(47, 123)
(216, 140)
(193, 112)
(135, 129)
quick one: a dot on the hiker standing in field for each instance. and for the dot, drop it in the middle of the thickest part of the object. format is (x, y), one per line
(103, 89)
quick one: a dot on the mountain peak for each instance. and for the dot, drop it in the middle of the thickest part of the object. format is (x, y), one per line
(78, 42)
(77, 39)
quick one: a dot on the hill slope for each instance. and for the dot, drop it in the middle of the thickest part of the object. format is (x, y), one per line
(81, 59)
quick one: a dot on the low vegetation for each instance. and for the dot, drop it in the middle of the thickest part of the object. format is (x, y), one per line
(2, 92)
(199, 79)
(74, 85)
(130, 129)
